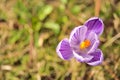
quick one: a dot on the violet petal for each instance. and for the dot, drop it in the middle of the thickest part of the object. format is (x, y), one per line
(95, 24)
(77, 36)
(97, 58)
(94, 42)
(64, 50)
(82, 57)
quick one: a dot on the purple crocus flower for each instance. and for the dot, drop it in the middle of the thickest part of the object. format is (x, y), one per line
(83, 43)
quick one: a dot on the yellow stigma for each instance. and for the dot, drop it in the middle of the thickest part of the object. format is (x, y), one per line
(85, 44)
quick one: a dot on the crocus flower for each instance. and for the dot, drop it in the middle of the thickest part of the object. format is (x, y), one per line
(83, 43)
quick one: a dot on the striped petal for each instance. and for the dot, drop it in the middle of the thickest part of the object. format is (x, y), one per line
(95, 24)
(81, 57)
(64, 50)
(94, 42)
(97, 58)
(77, 36)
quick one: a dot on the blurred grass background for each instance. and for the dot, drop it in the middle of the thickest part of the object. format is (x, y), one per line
(31, 29)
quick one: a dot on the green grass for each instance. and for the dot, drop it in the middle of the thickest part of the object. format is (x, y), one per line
(31, 29)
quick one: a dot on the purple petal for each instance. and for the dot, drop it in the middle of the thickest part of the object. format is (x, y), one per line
(95, 24)
(97, 58)
(64, 50)
(77, 35)
(82, 57)
(94, 42)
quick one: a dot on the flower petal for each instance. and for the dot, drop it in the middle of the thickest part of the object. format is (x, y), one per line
(95, 24)
(97, 58)
(64, 50)
(94, 42)
(82, 57)
(77, 35)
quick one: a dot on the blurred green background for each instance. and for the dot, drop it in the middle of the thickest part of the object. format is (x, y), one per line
(31, 29)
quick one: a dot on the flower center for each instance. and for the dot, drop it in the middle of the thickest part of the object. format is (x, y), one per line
(85, 44)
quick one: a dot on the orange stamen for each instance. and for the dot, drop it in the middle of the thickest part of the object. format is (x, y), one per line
(85, 44)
